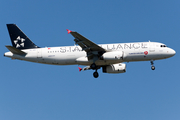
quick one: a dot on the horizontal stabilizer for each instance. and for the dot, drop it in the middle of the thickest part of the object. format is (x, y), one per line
(15, 50)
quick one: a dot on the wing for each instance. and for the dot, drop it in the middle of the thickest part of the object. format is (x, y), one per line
(90, 47)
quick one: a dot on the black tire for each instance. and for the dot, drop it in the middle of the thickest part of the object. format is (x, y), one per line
(96, 74)
(93, 66)
(153, 68)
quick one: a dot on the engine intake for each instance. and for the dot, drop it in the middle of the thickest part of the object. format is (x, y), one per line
(115, 68)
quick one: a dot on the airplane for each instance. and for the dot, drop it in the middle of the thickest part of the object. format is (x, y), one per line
(109, 57)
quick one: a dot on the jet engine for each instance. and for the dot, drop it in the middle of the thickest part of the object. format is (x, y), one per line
(112, 55)
(115, 68)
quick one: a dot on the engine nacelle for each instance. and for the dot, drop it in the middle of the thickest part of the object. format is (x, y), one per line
(115, 55)
(115, 68)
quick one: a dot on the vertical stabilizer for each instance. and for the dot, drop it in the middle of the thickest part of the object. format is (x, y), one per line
(19, 39)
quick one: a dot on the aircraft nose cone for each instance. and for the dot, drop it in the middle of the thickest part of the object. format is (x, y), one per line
(172, 52)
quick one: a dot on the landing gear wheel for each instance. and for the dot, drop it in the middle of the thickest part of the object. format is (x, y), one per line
(152, 67)
(96, 74)
(93, 66)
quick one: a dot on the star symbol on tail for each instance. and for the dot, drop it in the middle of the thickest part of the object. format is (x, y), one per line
(19, 42)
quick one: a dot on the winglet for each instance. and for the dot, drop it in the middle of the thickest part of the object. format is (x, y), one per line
(80, 69)
(69, 31)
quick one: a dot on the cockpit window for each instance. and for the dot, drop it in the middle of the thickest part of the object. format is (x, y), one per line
(163, 46)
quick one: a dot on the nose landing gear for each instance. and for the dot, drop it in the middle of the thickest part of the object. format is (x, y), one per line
(152, 65)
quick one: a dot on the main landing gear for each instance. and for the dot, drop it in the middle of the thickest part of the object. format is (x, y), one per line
(152, 65)
(96, 74)
(95, 67)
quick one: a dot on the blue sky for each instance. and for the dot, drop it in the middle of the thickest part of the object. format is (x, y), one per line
(37, 91)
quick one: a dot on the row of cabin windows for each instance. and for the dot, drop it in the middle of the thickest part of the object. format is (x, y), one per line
(53, 51)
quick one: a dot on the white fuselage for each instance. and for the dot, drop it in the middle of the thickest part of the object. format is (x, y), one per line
(70, 55)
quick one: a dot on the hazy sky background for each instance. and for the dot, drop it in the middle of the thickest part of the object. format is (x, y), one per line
(31, 91)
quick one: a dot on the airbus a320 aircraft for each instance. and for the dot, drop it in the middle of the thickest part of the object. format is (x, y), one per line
(109, 57)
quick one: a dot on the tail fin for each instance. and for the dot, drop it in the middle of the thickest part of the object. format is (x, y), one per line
(19, 39)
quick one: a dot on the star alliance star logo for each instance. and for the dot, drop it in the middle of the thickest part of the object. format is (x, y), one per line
(19, 42)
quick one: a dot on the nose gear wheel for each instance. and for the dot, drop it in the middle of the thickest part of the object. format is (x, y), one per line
(152, 65)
